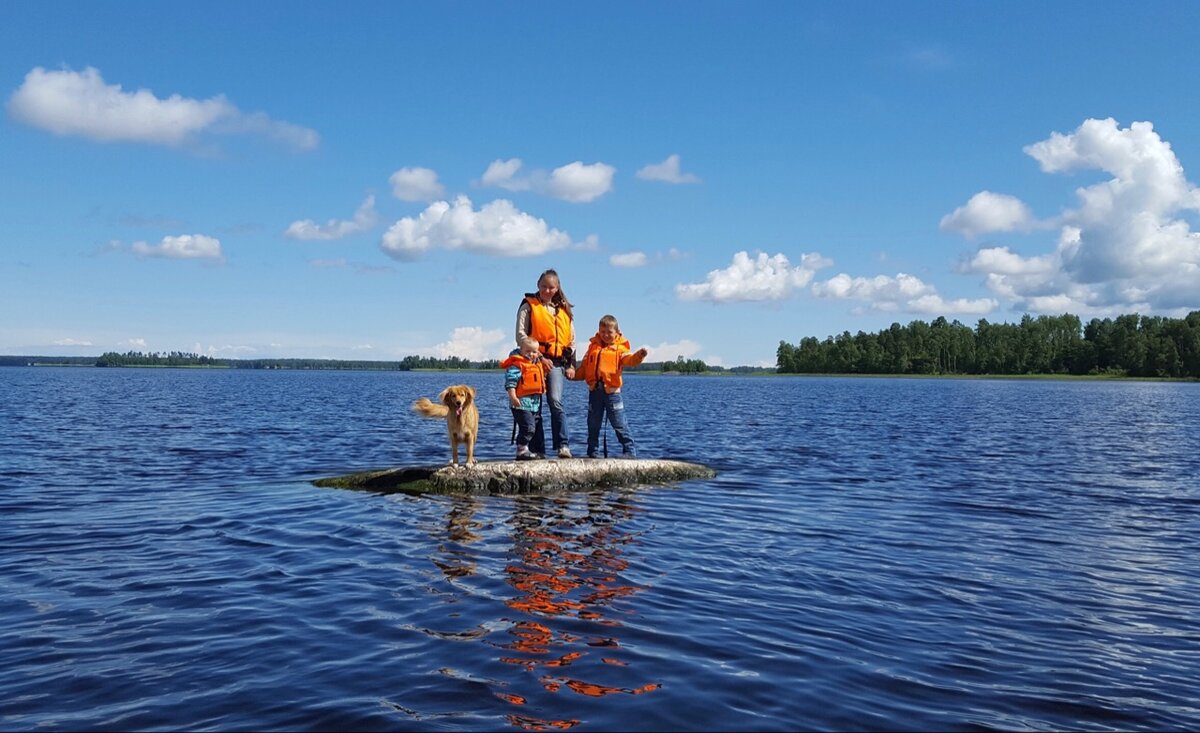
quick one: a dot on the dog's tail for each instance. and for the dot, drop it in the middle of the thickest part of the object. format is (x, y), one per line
(430, 409)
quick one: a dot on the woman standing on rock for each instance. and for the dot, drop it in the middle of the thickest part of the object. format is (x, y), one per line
(546, 317)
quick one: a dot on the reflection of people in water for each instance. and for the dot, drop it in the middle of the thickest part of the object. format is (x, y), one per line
(568, 567)
(460, 524)
(560, 631)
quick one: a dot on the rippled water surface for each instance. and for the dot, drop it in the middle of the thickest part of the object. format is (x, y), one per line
(886, 554)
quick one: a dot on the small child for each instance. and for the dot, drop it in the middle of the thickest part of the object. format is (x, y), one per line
(607, 353)
(525, 381)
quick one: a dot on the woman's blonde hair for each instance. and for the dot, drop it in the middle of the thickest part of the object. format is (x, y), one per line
(560, 299)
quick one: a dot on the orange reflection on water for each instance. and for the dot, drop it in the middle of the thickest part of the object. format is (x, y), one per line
(565, 569)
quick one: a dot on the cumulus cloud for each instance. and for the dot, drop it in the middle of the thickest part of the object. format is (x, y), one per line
(416, 184)
(72, 342)
(1126, 247)
(183, 247)
(498, 229)
(72, 103)
(754, 278)
(364, 218)
(667, 171)
(580, 183)
(903, 292)
(575, 182)
(472, 343)
(502, 174)
(988, 212)
(628, 259)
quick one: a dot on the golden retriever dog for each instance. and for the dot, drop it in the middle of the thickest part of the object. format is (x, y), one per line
(462, 419)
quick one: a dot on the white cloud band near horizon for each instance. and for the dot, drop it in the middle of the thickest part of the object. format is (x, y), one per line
(474, 344)
(71, 103)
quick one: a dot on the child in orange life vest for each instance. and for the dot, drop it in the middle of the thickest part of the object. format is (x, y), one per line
(607, 353)
(525, 381)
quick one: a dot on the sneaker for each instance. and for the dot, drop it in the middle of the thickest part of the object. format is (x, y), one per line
(526, 455)
(564, 452)
(592, 455)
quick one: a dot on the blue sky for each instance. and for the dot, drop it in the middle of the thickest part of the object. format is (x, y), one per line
(373, 180)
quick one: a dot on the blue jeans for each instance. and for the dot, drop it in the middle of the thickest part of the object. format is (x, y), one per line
(529, 428)
(554, 396)
(601, 404)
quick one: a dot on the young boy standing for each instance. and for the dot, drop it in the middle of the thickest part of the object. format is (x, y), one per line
(608, 352)
(525, 381)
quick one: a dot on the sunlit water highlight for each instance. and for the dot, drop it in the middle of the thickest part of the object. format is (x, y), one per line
(873, 554)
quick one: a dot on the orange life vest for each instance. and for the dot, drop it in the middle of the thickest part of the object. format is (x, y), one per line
(552, 332)
(603, 363)
(533, 375)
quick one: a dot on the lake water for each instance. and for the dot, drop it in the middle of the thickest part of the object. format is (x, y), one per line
(874, 554)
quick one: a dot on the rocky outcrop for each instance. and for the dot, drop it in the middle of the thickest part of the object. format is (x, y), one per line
(521, 477)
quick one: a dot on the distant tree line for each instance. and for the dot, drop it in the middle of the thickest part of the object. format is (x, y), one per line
(1128, 345)
(185, 359)
(10, 360)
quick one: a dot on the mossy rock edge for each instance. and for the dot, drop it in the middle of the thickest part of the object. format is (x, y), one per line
(524, 477)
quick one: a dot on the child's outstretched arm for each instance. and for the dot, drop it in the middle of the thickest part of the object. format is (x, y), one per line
(634, 358)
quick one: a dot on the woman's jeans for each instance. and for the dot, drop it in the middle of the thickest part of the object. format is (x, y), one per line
(600, 404)
(554, 396)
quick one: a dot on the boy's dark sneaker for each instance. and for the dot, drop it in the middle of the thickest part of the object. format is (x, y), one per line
(526, 455)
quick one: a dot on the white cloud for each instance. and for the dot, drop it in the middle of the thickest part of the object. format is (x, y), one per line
(72, 342)
(1126, 247)
(881, 287)
(628, 259)
(80, 103)
(230, 350)
(184, 247)
(758, 278)
(580, 183)
(416, 184)
(903, 292)
(668, 351)
(472, 343)
(575, 182)
(498, 229)
(364, 218)
(988, 212)
(667, 171)
(501, 174)
(134, 343)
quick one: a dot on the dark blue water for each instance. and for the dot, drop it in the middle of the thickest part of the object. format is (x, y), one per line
(874, 554)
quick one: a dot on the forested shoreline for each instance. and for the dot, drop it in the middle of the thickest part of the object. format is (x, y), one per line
(1128, 345)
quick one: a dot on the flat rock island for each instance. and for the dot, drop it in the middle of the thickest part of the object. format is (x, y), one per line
(521, 477)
